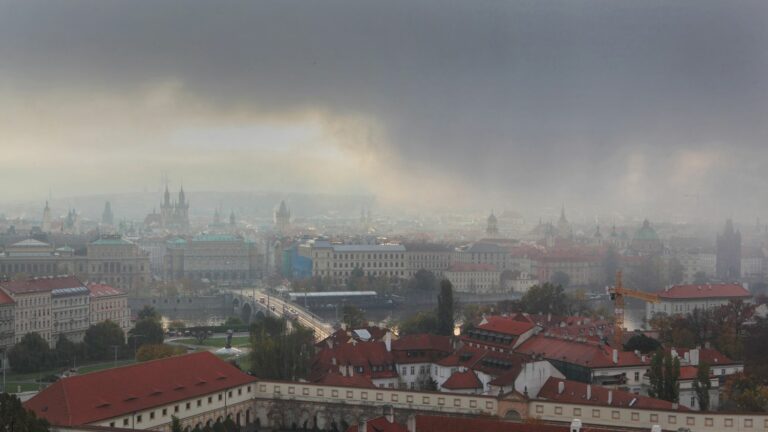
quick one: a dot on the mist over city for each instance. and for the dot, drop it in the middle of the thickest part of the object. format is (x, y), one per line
(383, 216)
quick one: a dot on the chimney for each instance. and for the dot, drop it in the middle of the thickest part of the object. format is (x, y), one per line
(575, 425)
(615, 356)
(560, 387)
(694, 356)
(589, 392)
(388, 341)
(610, 397)
(361, 426)
(389, 413)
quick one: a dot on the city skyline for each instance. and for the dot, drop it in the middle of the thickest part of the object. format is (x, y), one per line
(645, 107)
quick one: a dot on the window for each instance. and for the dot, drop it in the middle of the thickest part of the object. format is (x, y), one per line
(221, 396)
(188, 405)
(239, 392)
(637, 376)
(635, 416)
(729, 422)
(125, 422)
(615, 415)
(111, 424)
(199, 402)
(577, 412)
(210, 400)
(176, 409)
(558, 410)
(595, 413)
(165, 412)
(334, 393)
(539, 408)
(151, 415)
(349, 394)
(138, 418)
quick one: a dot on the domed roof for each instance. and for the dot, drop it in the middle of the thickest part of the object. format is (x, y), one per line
(492, 218)
(646, 232)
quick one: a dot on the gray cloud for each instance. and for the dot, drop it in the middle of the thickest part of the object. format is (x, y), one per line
(532, 102)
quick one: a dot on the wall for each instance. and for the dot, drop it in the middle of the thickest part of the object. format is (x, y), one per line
(644, 419)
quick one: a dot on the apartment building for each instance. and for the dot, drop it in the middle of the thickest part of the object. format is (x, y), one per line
(338, 261)
(109, 304)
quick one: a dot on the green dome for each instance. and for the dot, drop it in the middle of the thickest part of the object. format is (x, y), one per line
(646, 232)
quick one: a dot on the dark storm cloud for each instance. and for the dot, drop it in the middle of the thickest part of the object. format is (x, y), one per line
(534, 100)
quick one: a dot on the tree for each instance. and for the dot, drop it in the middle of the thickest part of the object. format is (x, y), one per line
(176, 424)
(663, 375)
(201, 336)
(100, 340)
(149, 312)
(642, 343)
(67, 352)
(702, 385)
(742, 392)
(756, 350)
(543, 299)
(422, 284)
(30, 354)
(177, 325)
(158, 351)
(233, 321)
(147, 331)
(352, 316)
(561, 279)
(280, 351)
(445, 318)
(14, 418)
(422, 322)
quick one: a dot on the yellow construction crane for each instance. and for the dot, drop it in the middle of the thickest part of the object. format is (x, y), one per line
(617, 294)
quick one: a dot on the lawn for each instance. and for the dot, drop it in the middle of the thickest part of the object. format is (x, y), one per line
(237, 342)
(28, 381)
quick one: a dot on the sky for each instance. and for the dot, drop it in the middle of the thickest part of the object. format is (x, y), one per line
(609, 106)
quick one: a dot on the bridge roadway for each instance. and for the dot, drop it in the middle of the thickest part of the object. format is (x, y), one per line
(280, 308)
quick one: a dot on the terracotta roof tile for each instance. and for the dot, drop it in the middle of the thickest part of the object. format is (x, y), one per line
(88, 398)
(380, 424)
(576, 392)
(463, 381)
(41, 284)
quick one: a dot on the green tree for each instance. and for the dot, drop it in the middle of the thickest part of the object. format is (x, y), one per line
(176, 424)
(421, 322)
(233, 321)
(67, 352)
(561, 279)
(445, 317)
(422, 283)
(30, 354)
(702, 385)
(279, 350)
(148, 312)
(14, 418)
(663, 375)
(756, 349)
(353, 317)
(100, 340)
(543, 299)
(642, 343)
(147, 331)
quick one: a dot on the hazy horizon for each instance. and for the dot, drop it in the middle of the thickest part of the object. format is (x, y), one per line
(650, 108)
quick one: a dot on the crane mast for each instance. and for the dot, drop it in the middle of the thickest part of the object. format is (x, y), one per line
(617, 293)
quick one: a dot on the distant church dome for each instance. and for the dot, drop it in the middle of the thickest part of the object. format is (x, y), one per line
(646, 241)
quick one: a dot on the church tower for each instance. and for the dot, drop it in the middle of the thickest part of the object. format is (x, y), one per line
(107, 218)
(282, 218)
(45, 226)
(728, 264)
(492, 226)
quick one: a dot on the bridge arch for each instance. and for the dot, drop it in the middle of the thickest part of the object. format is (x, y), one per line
(246, 313)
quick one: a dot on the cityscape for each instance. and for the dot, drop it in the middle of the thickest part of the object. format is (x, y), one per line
(492, 216)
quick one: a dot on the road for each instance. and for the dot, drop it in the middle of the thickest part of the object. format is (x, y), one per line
(280, 308)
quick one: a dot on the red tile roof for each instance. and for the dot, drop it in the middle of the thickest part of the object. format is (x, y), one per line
(462, 381)
(705, 291)
(710, 356)
(339, 380)
(5, 298)
(41, 284)
(354, 354)
(102, 290)
(508, 325)
(380, 424)
(576, 392)
(423, 341)
(115, 392)
(587, 354)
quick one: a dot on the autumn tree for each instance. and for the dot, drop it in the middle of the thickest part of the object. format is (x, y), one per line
(445, 308)
(702, 386)
(663, 375)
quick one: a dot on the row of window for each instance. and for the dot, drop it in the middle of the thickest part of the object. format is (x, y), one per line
(139, 418)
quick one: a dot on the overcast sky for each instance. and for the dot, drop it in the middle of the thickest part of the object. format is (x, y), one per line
(631, 106)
